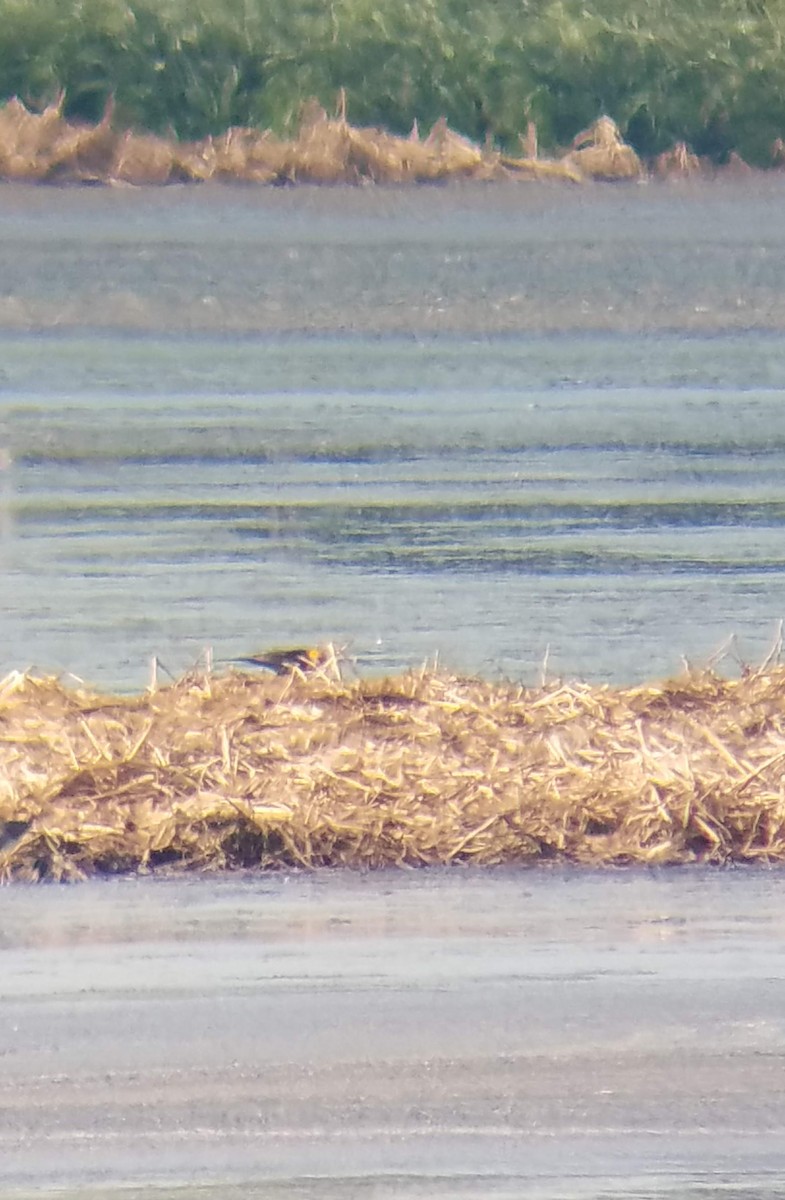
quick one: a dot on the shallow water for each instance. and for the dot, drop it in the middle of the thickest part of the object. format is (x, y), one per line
(495, 424)
(436, 1033)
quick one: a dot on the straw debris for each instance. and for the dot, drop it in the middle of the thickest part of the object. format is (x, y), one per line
(247, 771)
(46, 147)
(600, 152)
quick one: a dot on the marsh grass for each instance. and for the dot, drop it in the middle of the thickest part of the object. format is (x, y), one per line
(238, 770)
(710, 74)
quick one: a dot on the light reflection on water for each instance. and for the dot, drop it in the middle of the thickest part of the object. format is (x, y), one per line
(403, 1187)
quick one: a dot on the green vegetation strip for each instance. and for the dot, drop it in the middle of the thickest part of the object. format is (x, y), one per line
(711, 72)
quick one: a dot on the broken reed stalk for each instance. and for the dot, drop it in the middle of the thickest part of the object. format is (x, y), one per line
(238, 770)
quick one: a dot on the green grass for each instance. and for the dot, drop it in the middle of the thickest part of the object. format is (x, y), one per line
(710, 72)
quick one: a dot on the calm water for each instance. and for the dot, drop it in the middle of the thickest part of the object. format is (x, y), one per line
(485, 423)
(432, 1035)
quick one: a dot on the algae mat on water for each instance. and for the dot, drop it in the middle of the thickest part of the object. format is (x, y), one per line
(241, 771)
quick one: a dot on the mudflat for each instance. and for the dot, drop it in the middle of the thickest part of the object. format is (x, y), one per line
(432, 1033)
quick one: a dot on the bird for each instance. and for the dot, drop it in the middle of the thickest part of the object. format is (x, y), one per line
(287, 661)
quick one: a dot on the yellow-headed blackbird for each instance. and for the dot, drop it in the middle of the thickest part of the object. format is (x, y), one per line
(284, 662)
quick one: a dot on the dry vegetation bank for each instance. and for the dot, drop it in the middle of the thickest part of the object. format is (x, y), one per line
(45, 147)
(249, 771)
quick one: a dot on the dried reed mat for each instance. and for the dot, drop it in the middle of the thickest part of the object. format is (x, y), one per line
(47, 147)
(242, 771)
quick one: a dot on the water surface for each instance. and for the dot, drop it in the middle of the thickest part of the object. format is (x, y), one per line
(417, 1034)
(504, 426)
